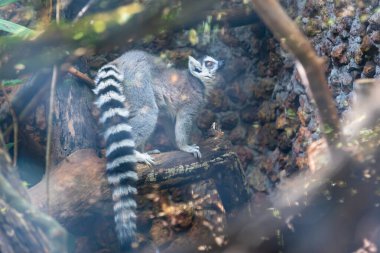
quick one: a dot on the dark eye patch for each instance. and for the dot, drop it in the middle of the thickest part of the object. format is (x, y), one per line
(197, 70)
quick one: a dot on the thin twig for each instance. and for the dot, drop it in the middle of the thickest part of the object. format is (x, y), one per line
(58, 11)
(2, 142)
(50, 9)
(14, 124)
(288, 33)
(83, 10)
(82, 76)
(50, 121)
(49, 133)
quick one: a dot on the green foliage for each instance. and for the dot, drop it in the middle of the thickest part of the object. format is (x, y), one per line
(327, 129)
(290, 114)
(193, 37)
(331, 21)
(204, 33)
(367, 135)
(15, 29)
(171, 14)
(12, 82)
(9, 145)
(6, 2)
(11, 27)
(276, 212)
(25, 184)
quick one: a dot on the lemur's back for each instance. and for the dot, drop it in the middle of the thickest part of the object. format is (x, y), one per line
(136, 68)
(145, 73)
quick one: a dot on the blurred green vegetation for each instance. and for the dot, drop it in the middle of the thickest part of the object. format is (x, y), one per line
(13, 28)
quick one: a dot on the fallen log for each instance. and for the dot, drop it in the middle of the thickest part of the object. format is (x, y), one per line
(79, 187)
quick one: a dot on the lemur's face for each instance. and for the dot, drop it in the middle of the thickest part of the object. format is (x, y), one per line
(206, 71)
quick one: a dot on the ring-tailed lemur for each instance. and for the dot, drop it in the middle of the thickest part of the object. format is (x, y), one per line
(131, 91)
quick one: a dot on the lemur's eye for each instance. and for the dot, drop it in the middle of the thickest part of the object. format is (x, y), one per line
(209, 64)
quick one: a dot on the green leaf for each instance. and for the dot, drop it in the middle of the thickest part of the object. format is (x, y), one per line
(25, 184)
(15, 29)
(291, 114)
(6, 2)
(9, 145)
(327, 129)
(193, 37)
(12, 82)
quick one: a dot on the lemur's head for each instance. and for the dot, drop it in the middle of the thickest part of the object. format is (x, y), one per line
(205, 71)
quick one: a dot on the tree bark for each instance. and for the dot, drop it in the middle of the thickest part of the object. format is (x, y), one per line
(74, 126)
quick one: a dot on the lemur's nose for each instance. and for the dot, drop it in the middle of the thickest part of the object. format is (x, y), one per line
(221, 64)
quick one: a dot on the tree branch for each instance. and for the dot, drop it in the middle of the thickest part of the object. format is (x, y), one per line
(36, 232)
(287, 32)
(83, 37)
(91, 34)
(82, 76)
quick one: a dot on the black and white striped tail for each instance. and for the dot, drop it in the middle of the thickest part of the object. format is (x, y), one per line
(120, 146)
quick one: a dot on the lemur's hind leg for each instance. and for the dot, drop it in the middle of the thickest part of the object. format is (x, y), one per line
(168, 125)
(143, 122)
(183, 125)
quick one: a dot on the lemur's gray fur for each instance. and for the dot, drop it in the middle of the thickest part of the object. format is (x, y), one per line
(131, 92)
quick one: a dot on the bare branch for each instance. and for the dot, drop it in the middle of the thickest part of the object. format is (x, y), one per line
(49, 133)
(287, 32)
(82, 76)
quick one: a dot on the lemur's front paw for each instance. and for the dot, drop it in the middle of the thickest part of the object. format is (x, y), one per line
(144, 158)
(193, 149)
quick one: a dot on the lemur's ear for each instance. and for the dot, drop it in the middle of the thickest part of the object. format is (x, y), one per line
(195, 67)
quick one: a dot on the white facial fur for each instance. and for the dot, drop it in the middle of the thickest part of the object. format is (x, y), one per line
(205, 71)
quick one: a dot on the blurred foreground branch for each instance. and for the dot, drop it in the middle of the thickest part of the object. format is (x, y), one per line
(103, 31)
(287, 32)
(339, 195)
(23, 227)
